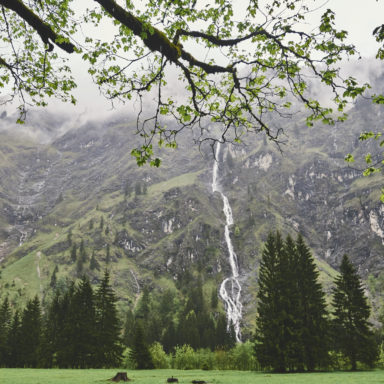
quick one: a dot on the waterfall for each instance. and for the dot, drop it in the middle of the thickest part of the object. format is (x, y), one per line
(230, 288)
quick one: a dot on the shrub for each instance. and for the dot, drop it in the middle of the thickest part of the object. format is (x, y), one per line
(159, 357)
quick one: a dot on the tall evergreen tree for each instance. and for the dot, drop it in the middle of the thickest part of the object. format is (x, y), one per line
(14, 342)
(139, 353)
(129, 327)
(109, 347)
(62, 330)
(292, 321)
(144, 305)
(74, 253)
(82, 252)
(30, 331)
(351, 329)
(5, 325)
(53, 339)
(313, 313)
(53, 281)
(79, 329)
(169, 339)
(93, 264)
(270, 323)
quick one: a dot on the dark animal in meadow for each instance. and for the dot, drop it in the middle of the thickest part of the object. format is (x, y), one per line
(172, 380)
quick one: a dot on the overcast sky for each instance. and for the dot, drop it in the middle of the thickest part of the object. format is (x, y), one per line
(359, 18)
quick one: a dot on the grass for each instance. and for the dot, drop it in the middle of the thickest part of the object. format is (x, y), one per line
(178, 181)
(56, 376)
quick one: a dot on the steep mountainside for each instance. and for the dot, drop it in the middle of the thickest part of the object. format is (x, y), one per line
(162, 227)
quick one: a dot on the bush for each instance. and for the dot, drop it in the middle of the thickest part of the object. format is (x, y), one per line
(222, 359)
(159, 357)
(206, 359)
(185, 358)
(242, 357)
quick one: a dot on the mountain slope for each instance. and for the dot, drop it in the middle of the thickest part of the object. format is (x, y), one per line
(163, 227)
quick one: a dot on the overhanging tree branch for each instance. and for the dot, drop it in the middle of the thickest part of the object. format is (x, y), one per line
(47, 34)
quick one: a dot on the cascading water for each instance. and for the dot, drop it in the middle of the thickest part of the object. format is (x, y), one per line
(230, 289)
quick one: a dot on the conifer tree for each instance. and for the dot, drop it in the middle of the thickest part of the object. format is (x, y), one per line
(63, 331)
(290, 306)
(109, 348)
(129, 327)
(53, 281)
(50, 334)
(270, 323)
(351, 329)
(139, 353)
(94, 264)
(144, 306)
(14, 342)
(313, 313)
(30, 331)
(74, 253)
(224, 336)
(82, 252)
(169, 339)
(292, 324)
(79, 330)
(5, 325)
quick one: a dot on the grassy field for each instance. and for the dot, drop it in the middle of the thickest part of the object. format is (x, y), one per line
(56, 376)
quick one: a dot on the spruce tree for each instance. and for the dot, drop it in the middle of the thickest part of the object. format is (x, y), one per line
(129, 328)
(169, 339)
(30, 331)
(82, 252)
(74, 253)
(351, 329)
(292, 324)
(79, 329)
(62, 330)
(270, 323)
(5, 325)
(53, 281)
(94, 264)
(313, 313)
(139, 353)
(109, 348)
(14, 342)
(48, 345)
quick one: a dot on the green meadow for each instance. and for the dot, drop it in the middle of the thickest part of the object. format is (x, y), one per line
(93, 376)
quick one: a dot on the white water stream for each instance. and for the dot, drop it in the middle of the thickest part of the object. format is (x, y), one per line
(230, 289)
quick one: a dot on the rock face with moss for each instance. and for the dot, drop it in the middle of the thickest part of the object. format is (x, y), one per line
(161, 227)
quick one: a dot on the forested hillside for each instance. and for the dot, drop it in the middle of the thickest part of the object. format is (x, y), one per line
(80, 204)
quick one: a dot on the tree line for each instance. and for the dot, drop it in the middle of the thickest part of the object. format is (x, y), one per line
(295, 330)
(79, 329)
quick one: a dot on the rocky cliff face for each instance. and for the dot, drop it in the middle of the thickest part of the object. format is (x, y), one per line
(159, 227)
